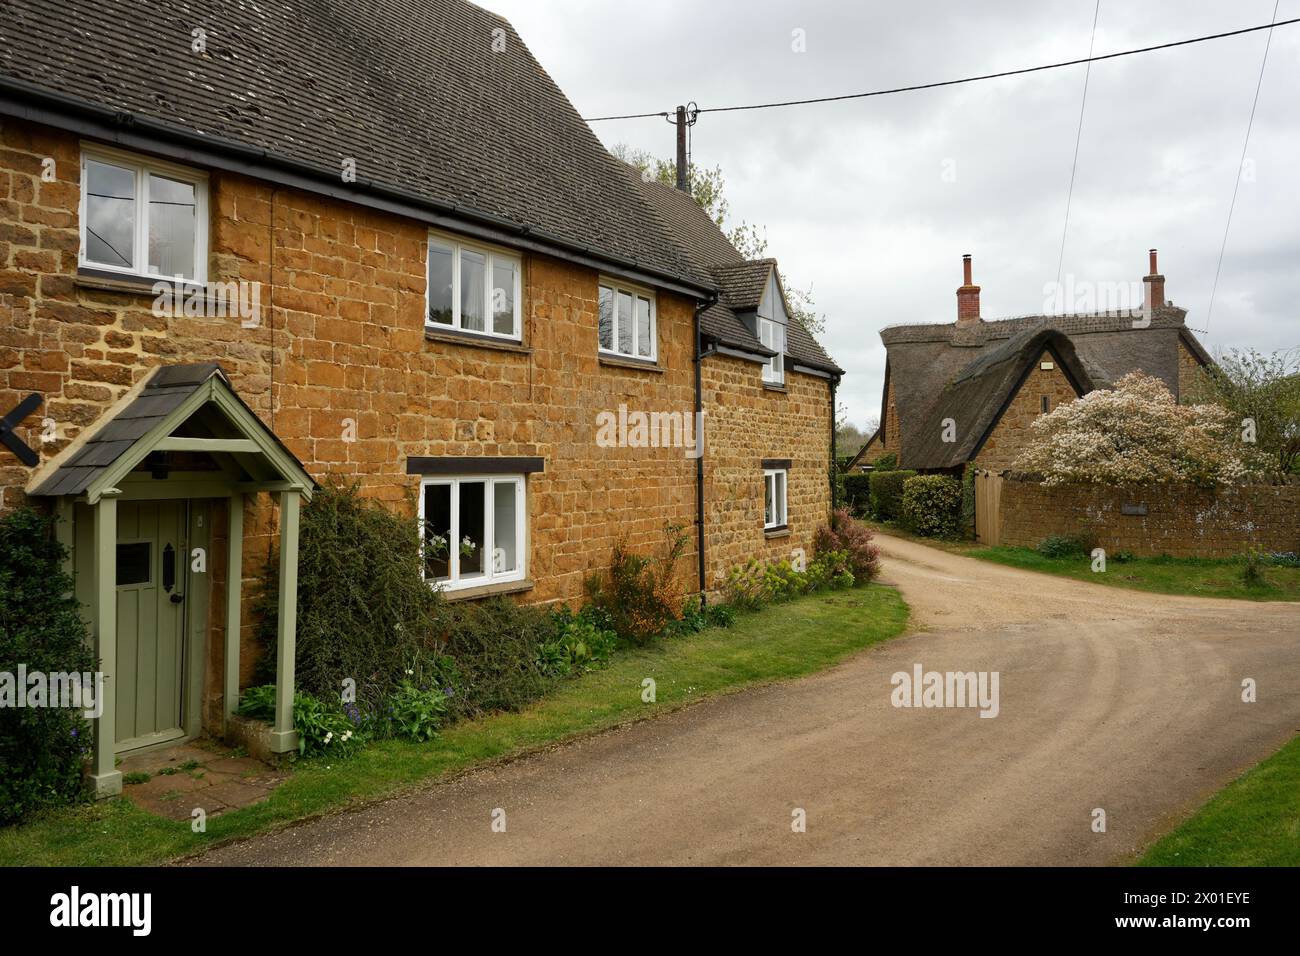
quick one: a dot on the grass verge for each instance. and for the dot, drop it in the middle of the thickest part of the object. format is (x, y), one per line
(1254, 821)
(1198, 577)
(778, 643)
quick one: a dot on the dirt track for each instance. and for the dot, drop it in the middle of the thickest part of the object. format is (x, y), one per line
(1108, 698)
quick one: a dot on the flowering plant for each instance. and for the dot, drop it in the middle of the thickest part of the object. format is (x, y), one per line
(1134, 434)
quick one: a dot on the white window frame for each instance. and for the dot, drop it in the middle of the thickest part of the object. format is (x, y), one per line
(489, 253)
(143, 166)
(773, 368)
(636, 292)
(454, 582)
(778, 502)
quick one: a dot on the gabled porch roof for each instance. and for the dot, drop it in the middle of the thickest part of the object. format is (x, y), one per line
(178, 408)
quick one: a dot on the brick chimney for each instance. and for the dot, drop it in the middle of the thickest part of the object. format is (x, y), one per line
(1155, 285)
(968, 297)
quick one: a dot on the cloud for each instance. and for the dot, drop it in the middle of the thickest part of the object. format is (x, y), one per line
(854, 195)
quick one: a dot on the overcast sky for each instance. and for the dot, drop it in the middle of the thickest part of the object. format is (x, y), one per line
(872, 202)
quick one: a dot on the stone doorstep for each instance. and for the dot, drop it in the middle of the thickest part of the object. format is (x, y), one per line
(217, 784)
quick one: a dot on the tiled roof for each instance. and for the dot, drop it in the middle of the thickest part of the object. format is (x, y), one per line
(740, 281)
(412, 90)
(166, 390)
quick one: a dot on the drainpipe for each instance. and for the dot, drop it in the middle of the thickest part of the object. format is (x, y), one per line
(699, 443)
(835, 465)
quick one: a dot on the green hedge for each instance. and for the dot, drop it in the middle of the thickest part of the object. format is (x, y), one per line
(857, 492)
(41, 748)
(887, 493)
(932, 505)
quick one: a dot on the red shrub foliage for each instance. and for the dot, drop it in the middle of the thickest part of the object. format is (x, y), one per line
(854, 539)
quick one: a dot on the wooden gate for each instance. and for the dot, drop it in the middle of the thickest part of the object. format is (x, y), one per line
(988, 508)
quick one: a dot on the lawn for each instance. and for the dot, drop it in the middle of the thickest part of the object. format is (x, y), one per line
(1192, 576)
(1254, 821)
(778, 643)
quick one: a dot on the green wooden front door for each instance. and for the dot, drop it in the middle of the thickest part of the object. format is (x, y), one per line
(151, 587)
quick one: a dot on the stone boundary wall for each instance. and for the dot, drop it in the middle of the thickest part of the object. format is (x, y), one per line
(1179, 520)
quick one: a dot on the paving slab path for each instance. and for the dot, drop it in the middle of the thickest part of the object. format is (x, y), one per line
(1108, 698)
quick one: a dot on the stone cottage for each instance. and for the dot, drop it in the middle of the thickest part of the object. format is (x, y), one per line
(965, 392)
(244, 249)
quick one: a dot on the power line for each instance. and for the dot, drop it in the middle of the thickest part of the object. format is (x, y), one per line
(968, 79)
(1237, 183)
(1074, 164)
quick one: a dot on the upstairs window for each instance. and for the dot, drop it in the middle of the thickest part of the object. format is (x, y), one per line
(472, 530)
(772, 334)
(473, 289)
(774, 481)
(143, 218)
(627, 322)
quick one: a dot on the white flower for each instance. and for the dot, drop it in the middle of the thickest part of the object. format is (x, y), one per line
(329, 736)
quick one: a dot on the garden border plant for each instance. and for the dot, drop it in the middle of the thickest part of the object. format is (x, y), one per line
(42, 749)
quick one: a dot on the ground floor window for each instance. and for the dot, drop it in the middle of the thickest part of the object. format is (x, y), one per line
(774, 481)
(472, 530)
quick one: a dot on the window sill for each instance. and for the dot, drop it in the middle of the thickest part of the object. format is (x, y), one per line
(459, 337)
(488, 590)
(104, 282)
(775, 387)
(780, 531)
(641, 365)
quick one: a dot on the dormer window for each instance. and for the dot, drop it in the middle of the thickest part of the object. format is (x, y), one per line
(772, 335)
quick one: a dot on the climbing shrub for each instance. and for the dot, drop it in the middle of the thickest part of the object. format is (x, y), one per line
(932, 505)
(491, 655)
(42, 749)
(887, 493)
(364, 609)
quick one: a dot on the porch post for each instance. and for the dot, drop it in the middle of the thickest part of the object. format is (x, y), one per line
(105, 776)
(283, 738)
(234, 579)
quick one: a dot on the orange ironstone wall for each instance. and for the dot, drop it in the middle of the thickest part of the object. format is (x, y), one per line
(342, 338)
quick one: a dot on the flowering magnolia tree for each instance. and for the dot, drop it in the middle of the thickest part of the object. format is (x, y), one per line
(1136, 433)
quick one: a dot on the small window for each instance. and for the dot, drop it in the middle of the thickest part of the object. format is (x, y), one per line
(626, 321)
(772, 334)
(141, 217)
(473, 289)
(472, 530)
(134, 563)
(1046, 404)
(774, 482)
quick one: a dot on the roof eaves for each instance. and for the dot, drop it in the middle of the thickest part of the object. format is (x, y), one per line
(36, 104)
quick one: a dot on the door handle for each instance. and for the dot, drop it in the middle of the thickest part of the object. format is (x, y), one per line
(177, 598)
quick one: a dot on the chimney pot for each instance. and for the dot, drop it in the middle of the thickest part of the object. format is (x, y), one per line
(968, 296)
(1155, 286)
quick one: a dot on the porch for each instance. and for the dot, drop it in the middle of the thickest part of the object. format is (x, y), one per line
(135, 497)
